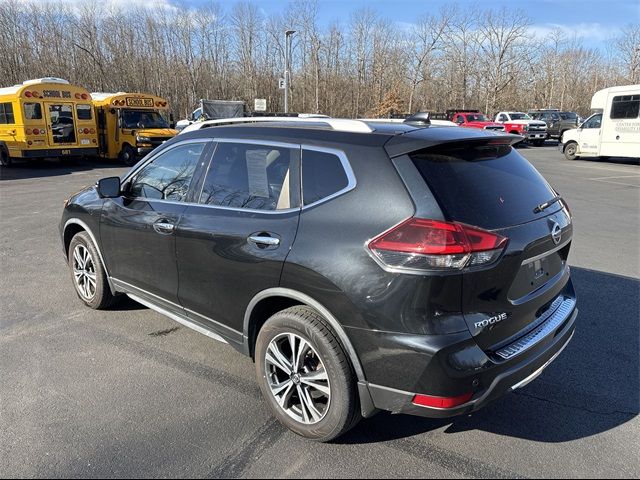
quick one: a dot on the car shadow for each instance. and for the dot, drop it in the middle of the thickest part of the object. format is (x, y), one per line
(21, 170)
(591, 388)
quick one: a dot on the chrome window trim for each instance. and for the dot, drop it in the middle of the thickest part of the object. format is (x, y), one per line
(346, 166)
(156, 154)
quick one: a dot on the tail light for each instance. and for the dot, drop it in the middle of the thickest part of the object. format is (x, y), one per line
(29, 131)
(86, 131)
(92, 131)
(418, 244)
(36, 131)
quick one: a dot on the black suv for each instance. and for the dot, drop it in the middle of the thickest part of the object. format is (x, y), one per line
(362, 265)
(557, 122)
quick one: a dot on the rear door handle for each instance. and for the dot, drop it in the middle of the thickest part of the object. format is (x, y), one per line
(264, 240)
(163, 227)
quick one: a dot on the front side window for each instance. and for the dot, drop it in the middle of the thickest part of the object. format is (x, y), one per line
(32, 111)
(323, 175)
(520, 116)
(625, 106)
(257, 177)
(593, 122)
(503, 118)
(168, 176)
(6, 113)
(84, 112)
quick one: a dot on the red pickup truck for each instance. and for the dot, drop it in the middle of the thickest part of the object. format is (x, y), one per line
(474, 119)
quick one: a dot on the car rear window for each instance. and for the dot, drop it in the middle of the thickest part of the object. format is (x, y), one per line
(487, 186)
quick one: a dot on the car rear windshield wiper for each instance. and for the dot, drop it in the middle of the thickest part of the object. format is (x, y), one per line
(547, 204)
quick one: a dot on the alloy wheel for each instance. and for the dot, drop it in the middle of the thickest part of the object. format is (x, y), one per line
(84, 272)
(297, 378)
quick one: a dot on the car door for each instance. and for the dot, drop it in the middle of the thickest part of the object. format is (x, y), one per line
(234, 242)
(590, 135)
(137, 229)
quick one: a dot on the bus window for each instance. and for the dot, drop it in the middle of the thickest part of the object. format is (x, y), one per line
(32, 111)
(6, 113)
(84, 112)
(625, 106)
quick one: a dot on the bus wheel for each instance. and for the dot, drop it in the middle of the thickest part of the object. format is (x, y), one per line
(127, 156)
(5, 159)
(571, 151)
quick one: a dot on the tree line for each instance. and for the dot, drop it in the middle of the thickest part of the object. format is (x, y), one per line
(366, 65)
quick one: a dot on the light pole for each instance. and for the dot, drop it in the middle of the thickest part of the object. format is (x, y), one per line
(287, 48)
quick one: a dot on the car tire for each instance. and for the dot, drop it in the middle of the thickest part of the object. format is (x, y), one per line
(321, 414)
(127, 156)
(571, 151)
(5, 159)
(88, 274)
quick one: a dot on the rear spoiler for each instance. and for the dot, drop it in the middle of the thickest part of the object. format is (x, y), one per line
(420, 139)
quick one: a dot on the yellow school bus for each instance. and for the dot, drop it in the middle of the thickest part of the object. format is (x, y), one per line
(46, 117)
(130, 125)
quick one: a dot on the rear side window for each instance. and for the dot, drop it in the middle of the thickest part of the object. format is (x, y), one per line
(32, 111)
(84, 112)
(168, 176)
(6, 113)
(487, 186)
(625, 106)
(257, 177)
(323, 175)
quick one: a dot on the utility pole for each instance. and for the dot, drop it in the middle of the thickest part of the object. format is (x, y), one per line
(287, 48)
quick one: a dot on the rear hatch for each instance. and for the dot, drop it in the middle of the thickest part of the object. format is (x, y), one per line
(494, 188)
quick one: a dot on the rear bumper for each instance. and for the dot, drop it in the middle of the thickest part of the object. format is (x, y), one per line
(488, 383)
(59, 152)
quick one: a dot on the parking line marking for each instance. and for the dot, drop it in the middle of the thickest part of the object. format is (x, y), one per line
(619, 183)
(617, 176)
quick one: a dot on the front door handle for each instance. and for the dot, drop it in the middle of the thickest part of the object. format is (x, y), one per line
(264, 240)
(163, 227)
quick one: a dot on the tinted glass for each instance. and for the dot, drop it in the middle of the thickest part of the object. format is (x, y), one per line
(569, 116)
(142, 119)
(250, 176)
(169, 175)
(84, 112)
(322, 175)
(625, 106)
(520, 116)
(6, 113)
(32, 111)
(594, 122)
(487, 186)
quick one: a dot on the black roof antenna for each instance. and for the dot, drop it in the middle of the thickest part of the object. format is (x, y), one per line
(418, 118)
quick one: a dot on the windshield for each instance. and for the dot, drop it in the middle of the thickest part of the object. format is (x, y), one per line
(520, 116)
(142, 119)
(478, 117)
(569, 115)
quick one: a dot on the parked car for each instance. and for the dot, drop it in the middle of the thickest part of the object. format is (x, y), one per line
(557, 122)
(519, 123)
(613, 131)
(475, 119)
(363, 266)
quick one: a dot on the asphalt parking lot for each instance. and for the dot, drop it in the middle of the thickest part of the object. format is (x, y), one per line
(129, 393)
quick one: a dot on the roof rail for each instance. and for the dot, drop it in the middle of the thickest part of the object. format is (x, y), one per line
(338, 124)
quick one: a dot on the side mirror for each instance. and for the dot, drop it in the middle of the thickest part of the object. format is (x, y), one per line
(109, 187)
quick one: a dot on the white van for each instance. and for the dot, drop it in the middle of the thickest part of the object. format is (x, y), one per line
(613, 131)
